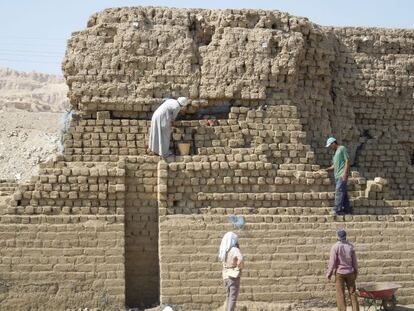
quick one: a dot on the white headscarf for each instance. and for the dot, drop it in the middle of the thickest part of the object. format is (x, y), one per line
(183, 101)
(228, 241)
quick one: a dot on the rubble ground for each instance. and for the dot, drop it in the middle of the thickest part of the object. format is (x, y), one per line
(262, 306)
(26, 139)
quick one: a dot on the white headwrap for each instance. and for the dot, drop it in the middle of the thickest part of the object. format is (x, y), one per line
(183, 101)
(228, 241)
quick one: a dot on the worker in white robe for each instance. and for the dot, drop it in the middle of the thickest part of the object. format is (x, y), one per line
(161, 122)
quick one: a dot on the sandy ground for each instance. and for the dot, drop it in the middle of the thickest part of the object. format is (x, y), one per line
(257, 306)
(26, 138)
(31, 104)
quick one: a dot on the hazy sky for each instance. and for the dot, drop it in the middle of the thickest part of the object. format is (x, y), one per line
(33, 33)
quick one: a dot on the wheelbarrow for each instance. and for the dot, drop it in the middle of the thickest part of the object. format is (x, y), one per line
(378, 296)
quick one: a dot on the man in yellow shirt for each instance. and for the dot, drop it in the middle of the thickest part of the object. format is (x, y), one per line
(340, 166)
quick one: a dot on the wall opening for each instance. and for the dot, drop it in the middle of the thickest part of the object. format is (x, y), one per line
(142, 285)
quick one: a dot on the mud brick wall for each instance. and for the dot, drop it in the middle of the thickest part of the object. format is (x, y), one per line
(286, 257)
(77, 186)
(266, 89)
(353, 83)
(101, 139)
(252, 172)
(236, 181)
(60, 262)
(373, 82)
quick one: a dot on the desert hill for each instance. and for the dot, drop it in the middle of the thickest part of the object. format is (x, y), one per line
(34, 92)
(31, 105)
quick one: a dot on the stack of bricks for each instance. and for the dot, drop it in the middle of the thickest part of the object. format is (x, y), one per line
(74, 187)
(384, 158)
(101, 139)
(7, 187)
(265, 89)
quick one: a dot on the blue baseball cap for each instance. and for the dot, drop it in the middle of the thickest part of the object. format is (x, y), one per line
(330, 141)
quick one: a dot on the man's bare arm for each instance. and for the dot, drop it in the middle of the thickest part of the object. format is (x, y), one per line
(346, 170)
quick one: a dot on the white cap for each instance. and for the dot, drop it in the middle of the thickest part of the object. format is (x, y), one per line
(183, 101)
(330, 141)
(167, 308)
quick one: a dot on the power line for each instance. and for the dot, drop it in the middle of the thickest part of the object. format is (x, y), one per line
(31, 50)
(45, 38)
(29, 61)
(5, 41)
(30, 53)
(18, 41)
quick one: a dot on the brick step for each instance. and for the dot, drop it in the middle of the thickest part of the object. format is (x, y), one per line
(8, 184)
(357, 198)
(61, 210)
(221, 165)
(9, 181)
(261, 219)
(5, 189)
(400, 203)
(266, 196)
(291, 197)
(219, 187)
(286, 109)
(292, 150)
(6, 193)
(214, 151)
(241, 182)
(71, 169)
(305, 210)
(118, 151)
(111, 158)
(273, 123)
(362, 202)
(234, 205)
(84, 125)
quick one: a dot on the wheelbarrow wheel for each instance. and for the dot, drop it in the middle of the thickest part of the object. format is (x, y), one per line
(389, 304)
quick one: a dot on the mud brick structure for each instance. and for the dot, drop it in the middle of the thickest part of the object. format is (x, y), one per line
(107, 225)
